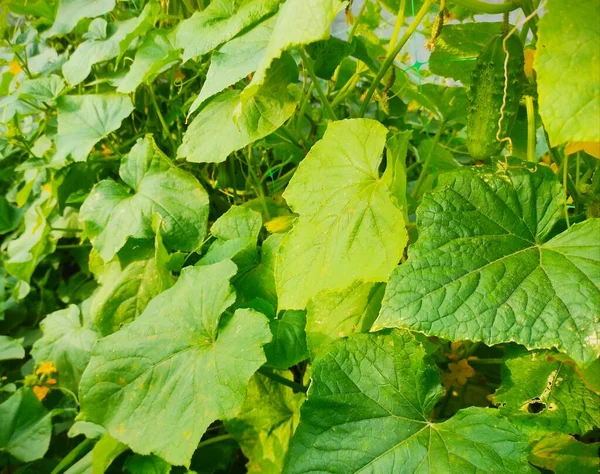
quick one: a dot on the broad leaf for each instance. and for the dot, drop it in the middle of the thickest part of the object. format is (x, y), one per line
(334, 314)
(350, 226)
(71, 11)
(216, 131)
(155, 54)
(563, 454)
(137, 464)
(235, 60)
(187, 368)
(126, 287)
(299, 22)
(219, 22)
(85, 120)
(67, 341)
(11, 348)
(26, 426)
(485, 268)
(567, 77)
(288, 346)
(111, 214)
(543, 391)
(368, 410)
(457, 48)
(266, 423)
(94, 51)
(236, 233)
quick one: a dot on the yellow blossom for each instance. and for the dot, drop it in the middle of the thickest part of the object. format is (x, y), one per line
(40, 392)
(46, 368)
(51, 382)
(14, 67)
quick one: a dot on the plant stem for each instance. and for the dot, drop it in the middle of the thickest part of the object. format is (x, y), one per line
(282, 380)
(397, 26)
(565, 165)
(357, 21)
(389, 60)
(486, 361)
(161, 119)
(426, 164)
(530, 129)
(214, 440)
(76, 453)
(479, 6)
(311, 72)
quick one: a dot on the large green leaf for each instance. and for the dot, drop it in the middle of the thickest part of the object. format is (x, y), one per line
(235, 60)
(26, 426)
(67, 341)
(368, 410)
(334, 314)
(299, 22)
(116, 41)
(219, 22)
(486, 269)
(112, 215)
(71, 11)
(457, 48)
(137, 464)
(542, 391)
(568, 78)
(351, 226)
(216, 131)
(155, 54)
(159, 382)
(236, 233)
(85, 120)
(126, 287)
(288, 346)
(266, 423)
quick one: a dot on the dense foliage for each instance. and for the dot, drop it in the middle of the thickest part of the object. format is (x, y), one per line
(299, 236)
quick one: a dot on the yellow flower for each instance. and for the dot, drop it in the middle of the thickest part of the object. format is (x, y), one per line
(14, 67)
(51, 382)
(40, 392)
(46, 368)
(457, 374)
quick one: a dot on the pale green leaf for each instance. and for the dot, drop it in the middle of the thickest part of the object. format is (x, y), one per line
(126, 287)
(368, 409)
(485, 268)
(216, 131)
(185, 360)
(299, 22)
(456, 49)
(26, 426)
(85, 120)
(111, 214)
(288, 346)
(543, 391)
(236, 233)
(11, 348)
(67, 341)
(71, 11)
(235, 60)
(568, 78)
(334, 314)
(266, 423)
(98, 460)
(154, 55)
(119, 37)
(563, 454)
(350, 226)
(219, 22)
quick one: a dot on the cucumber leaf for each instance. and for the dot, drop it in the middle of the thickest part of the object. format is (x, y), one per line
(351, 226)
(486, 267)
(71, 11)
(158, 383)
(368, 410)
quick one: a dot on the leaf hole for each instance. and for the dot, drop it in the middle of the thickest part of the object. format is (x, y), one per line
(536, 406)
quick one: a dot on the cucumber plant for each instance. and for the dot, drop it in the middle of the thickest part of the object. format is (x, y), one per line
(298, 236)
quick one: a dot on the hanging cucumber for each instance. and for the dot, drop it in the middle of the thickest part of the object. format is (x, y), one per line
(494, 101)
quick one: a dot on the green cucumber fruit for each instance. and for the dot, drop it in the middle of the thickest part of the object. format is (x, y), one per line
(486, 97)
